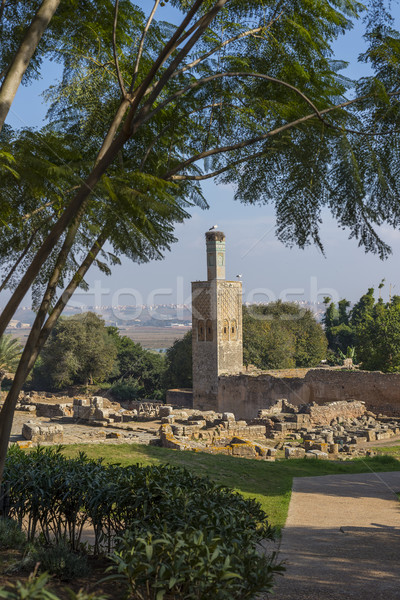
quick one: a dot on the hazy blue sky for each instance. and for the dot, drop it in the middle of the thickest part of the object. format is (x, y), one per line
(252, 248)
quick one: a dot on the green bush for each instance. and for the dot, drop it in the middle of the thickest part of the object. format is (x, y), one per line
(127, 389)
(190, 566)
(60, 561)
(35, 589)
(57, 496)
(11, 535)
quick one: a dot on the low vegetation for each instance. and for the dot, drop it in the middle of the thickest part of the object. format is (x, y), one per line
(270, 483)
(169, 531)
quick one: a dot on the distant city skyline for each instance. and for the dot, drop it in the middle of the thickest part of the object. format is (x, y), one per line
(270, 271)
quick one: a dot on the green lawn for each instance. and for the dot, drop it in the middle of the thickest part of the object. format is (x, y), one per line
(270, 483)
(389, 451)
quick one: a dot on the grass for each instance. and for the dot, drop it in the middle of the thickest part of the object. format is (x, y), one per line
(269, 482)
(393, 451)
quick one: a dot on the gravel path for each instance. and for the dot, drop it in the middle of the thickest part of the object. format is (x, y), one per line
(342, 539)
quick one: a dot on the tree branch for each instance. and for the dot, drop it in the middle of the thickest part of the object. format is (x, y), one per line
(141, 45)
(37, 210)
(263, 137)
(141, 90)
(205, 80)
(2, 6)
(219, 171)
(114, 47)
(217, 48)
(203, 25)
(19, 260)
(23, 56)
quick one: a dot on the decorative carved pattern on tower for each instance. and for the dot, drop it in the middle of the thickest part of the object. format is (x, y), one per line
(201, 304)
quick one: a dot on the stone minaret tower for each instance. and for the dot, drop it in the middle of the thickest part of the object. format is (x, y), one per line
(217, 326)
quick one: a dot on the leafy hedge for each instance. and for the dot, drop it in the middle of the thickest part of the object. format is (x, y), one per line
(173, 532)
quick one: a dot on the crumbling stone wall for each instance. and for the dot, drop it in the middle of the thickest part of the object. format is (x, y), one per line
(245, 395)
(324, 415)
(53, 410)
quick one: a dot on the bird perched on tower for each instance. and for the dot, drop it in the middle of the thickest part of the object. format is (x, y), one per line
(213, 227)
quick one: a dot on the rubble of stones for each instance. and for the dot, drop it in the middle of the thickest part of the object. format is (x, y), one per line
(96, 412)
(337, 430)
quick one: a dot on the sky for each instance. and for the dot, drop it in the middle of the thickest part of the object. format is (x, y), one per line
(269, 270)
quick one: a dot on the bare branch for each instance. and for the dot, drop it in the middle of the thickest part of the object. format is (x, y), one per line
(114, 46)
(141, 44)
(69, 291)
(24, 54)
(138, 94)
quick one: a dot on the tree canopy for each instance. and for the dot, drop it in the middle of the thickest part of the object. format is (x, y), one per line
(282, 335)
(371, 327)
(80, 350)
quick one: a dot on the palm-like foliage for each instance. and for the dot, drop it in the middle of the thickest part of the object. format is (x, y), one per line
(10, 352)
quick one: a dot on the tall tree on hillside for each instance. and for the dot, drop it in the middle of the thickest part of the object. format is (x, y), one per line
(238, 90)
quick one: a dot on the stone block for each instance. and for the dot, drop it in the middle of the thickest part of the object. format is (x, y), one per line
(170, 420)
(243, 450)
(227, 416)
(36, 432)
(310, 454)
(294, 452)
(318, 454)
(53, 410)
(165, 411)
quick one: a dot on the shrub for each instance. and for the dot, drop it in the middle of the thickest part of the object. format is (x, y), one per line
(187, 565)
(11, 535)
(173, 508)
(127, 389)
(35, 589)
(60, 561)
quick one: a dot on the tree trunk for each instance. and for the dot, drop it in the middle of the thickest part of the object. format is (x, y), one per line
(33, 347)
(24, 55)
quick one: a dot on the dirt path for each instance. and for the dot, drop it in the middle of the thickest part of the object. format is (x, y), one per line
(342, 539)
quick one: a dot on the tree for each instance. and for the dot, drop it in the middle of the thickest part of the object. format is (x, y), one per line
(178, 363)
(80, 350)
(282, 335)
(139, 369)
(378, 337)
(338, 330)
(10, 352)
(239, 90)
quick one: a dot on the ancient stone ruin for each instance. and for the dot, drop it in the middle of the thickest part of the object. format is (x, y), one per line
(336, 430)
